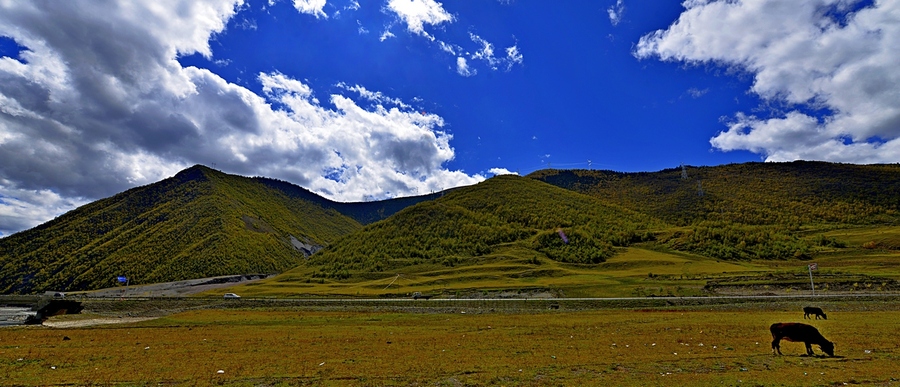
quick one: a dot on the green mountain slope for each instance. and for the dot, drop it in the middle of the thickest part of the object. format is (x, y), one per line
(752, 210)
(362, 212)
(475, 221)
(198, 223)
(202, 223)
(790, 194)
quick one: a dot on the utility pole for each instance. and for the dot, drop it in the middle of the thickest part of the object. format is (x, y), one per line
(811, 267)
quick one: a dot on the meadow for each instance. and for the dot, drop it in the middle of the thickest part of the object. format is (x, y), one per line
(642, 270)
(706, 345)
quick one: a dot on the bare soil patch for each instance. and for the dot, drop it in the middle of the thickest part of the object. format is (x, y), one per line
(177, 288)
(81, 323)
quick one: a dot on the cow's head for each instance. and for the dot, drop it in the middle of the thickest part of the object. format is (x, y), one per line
(828, 347)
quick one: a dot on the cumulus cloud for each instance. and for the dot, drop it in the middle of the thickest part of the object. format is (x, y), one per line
(21, 208)
(830, 64)
(501, 171)
(99, 103)
(312, 7)
(417, 13)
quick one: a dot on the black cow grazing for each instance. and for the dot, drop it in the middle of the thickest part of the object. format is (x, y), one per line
(808, 310)
(798, 332)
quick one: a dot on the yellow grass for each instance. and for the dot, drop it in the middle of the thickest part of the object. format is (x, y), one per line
(608, 347)
(624, 275)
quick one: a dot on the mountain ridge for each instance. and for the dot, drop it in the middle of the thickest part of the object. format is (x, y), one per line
(202, 222)
(198, 223)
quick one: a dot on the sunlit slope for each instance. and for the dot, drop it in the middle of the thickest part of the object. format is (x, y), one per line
(363, 212)
(792, 194)
(196, 224)
(507, 223)
(634, 271)
(753, 210)
(472, 222)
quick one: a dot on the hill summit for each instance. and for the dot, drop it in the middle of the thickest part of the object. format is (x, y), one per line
(198, 223)
(202, 222)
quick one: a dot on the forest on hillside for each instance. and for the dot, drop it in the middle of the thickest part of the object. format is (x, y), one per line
(202, 222)
(751, 210)
(562, 225)
(199, 223)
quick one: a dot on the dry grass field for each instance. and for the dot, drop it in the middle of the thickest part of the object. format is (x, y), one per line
(624, 275)
(711, 345)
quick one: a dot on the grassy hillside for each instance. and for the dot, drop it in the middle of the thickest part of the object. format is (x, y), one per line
(513, 271)
(753, 210)
(720, 222)
(579, 233)
(793, 194)
(470, 224)
(362, 212)
(196, 224)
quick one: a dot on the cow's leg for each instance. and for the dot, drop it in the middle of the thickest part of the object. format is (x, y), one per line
(805, 316)
(809, 349)
(775, 347)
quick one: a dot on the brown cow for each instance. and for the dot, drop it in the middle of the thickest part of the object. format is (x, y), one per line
(808, 310)
(798, 332)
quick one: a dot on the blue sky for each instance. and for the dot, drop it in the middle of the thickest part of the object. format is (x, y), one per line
(577, 94)
(365, 100)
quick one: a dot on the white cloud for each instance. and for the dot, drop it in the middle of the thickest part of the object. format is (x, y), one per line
(449, 48)
(101, 104)
(822, 55)
(615, 12)
(697, 93)
(501, 171)
(362, 30)
(513, 57)
(374, 96)
(486, 54)
(312, 7)
(462, 67)
(22, 209)
(387, 34)
(417, 13)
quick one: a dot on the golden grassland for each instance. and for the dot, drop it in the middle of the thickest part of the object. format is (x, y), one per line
(623, 275)
(725, 345)
(640, 270)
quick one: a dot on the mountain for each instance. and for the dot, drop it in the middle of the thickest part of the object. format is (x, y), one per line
(362, 212)
(203, 222)
(473, 222)
(790, 194)
(199, 223)
(752, 210)
(730, 212)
